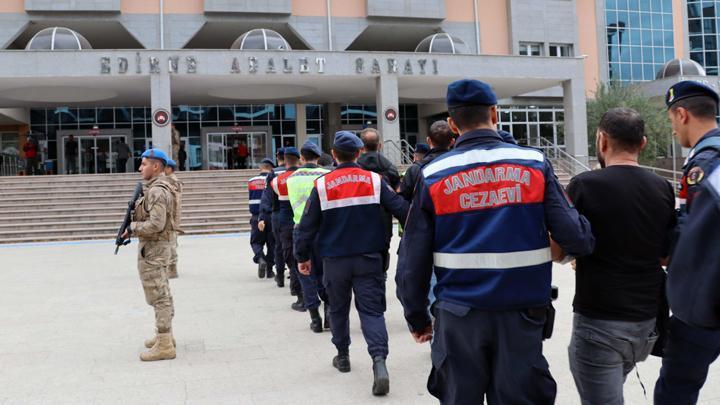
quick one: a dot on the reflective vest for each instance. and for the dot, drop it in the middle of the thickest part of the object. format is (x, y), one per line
(256, 186)
(492, 249)
(300, 184)
(352, 221)
(279, 185)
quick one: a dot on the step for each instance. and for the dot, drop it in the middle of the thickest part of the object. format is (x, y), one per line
(72, 232)
(240, 199)
(211, 183)
(57, 238)
(122, 177)
(113, 216)
(97, 191)
(96, 198)
(187, 206)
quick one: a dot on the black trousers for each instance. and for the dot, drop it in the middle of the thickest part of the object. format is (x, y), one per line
(259, 239)
(286, 239)
(493, 355)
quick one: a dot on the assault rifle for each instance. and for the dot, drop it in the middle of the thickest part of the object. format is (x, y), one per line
(119, 241)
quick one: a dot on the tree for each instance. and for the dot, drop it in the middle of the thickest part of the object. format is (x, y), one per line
(653, 111)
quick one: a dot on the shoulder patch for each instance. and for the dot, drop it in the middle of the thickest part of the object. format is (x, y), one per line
(695, 176)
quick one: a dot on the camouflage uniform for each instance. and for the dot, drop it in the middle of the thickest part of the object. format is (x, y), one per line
(153, 225)
(178, 186)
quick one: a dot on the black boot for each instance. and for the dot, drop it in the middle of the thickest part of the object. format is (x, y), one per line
(262, 267)
(342, 361)
(269, 272)
(280, 279)
(381, 382)
(326, 324)
(299, 305)
(315, 321)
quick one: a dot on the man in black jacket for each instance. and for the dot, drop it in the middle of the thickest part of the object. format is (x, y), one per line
(440, 140)
(372, 160)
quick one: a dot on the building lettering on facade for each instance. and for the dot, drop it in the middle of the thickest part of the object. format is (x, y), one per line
(252, 64)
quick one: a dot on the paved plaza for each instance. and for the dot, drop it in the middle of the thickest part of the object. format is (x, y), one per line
(73, 319)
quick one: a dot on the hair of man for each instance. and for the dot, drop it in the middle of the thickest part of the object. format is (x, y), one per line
(309, 156)
(471, 116)
(440, 134)
(701, 107)
(291, 160)
(344, 156)
(624, 127)
(371, 139)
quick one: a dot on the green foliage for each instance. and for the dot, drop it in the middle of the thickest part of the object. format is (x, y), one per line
(653, 111)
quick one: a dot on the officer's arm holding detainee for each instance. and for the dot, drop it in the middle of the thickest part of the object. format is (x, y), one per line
(157, 201)
(570, 230)
(415, 260)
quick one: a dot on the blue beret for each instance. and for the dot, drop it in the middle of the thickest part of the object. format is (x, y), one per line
(468, 92)
(422, 148)
(291, 151)
(156, 154)
(311, 147)
(347, 141)
(280, 152)
(267, 161)
(507, 137)
(687, 89)
(171, 163)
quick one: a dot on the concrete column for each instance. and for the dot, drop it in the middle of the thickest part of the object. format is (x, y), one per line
(300, 125)
(576, 137)
(387, 97)
(160, 98)
(332, 124)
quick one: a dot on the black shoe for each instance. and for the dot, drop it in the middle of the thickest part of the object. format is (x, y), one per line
(381, 381)
(280, 279)
(299, 305)
(262, 268)
(326, 324)
(342, 363)
(315, 321)
(269, 273)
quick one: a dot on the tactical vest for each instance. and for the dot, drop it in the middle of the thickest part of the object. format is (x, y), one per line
(352, 221)
(300, 184)
(492, 249)
(256, 186)
(171, 222)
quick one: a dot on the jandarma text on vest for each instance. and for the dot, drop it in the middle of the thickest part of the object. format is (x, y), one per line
(350, 178)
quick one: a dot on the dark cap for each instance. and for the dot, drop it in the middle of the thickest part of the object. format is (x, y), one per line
(347, 141)
(171, 164)
(280, 152)
(422, 148)
(311, 147)
(292, 151)
(687, 89)
(267, 161)
(467, 92)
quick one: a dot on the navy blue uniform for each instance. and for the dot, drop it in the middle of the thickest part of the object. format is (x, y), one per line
(344, 212)
(284, 223)
(694, 280)
(269, 207)
(259, 239)
(479, 220)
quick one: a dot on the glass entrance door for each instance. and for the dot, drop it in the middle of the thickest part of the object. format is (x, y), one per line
(94, 154)
(230, 150)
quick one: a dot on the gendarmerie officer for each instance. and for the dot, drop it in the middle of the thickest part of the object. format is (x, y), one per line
(285, 224)
(344, 212)
(300, 185)
(694, 271)
(267, 218)
(258, 238)
(480, 220)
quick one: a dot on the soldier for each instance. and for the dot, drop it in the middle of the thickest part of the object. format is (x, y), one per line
(344, 217)
(694, 272)
(153, 225)
(479, 220)
(258, 238)
(178, 185)
(300, 185)
(285, 224)
(269, 208)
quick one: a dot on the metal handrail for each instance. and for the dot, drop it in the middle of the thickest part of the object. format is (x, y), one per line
(561, 158)
(9, 164)
(670, 175)
(403, 158)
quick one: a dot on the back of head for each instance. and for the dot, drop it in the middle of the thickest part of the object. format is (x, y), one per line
(371, 139)
(624, 127)
(440, 135)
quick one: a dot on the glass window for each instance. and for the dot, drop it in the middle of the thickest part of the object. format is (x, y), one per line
(531, 48)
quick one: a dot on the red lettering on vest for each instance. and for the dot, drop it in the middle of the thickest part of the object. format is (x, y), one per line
(256, 184)
(487, 187)
(348, 183)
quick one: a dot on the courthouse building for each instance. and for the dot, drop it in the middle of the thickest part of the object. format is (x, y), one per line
(276, 73)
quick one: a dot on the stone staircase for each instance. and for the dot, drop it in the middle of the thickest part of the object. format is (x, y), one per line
(54, 208)
(57, 208)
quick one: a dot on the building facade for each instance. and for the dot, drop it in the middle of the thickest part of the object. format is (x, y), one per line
(267, 74)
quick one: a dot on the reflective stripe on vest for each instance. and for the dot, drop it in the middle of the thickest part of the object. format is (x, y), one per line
(300, 185)
(493, 260)
(348, 187)
(257, 183)
(480, 156)
(279, 185)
